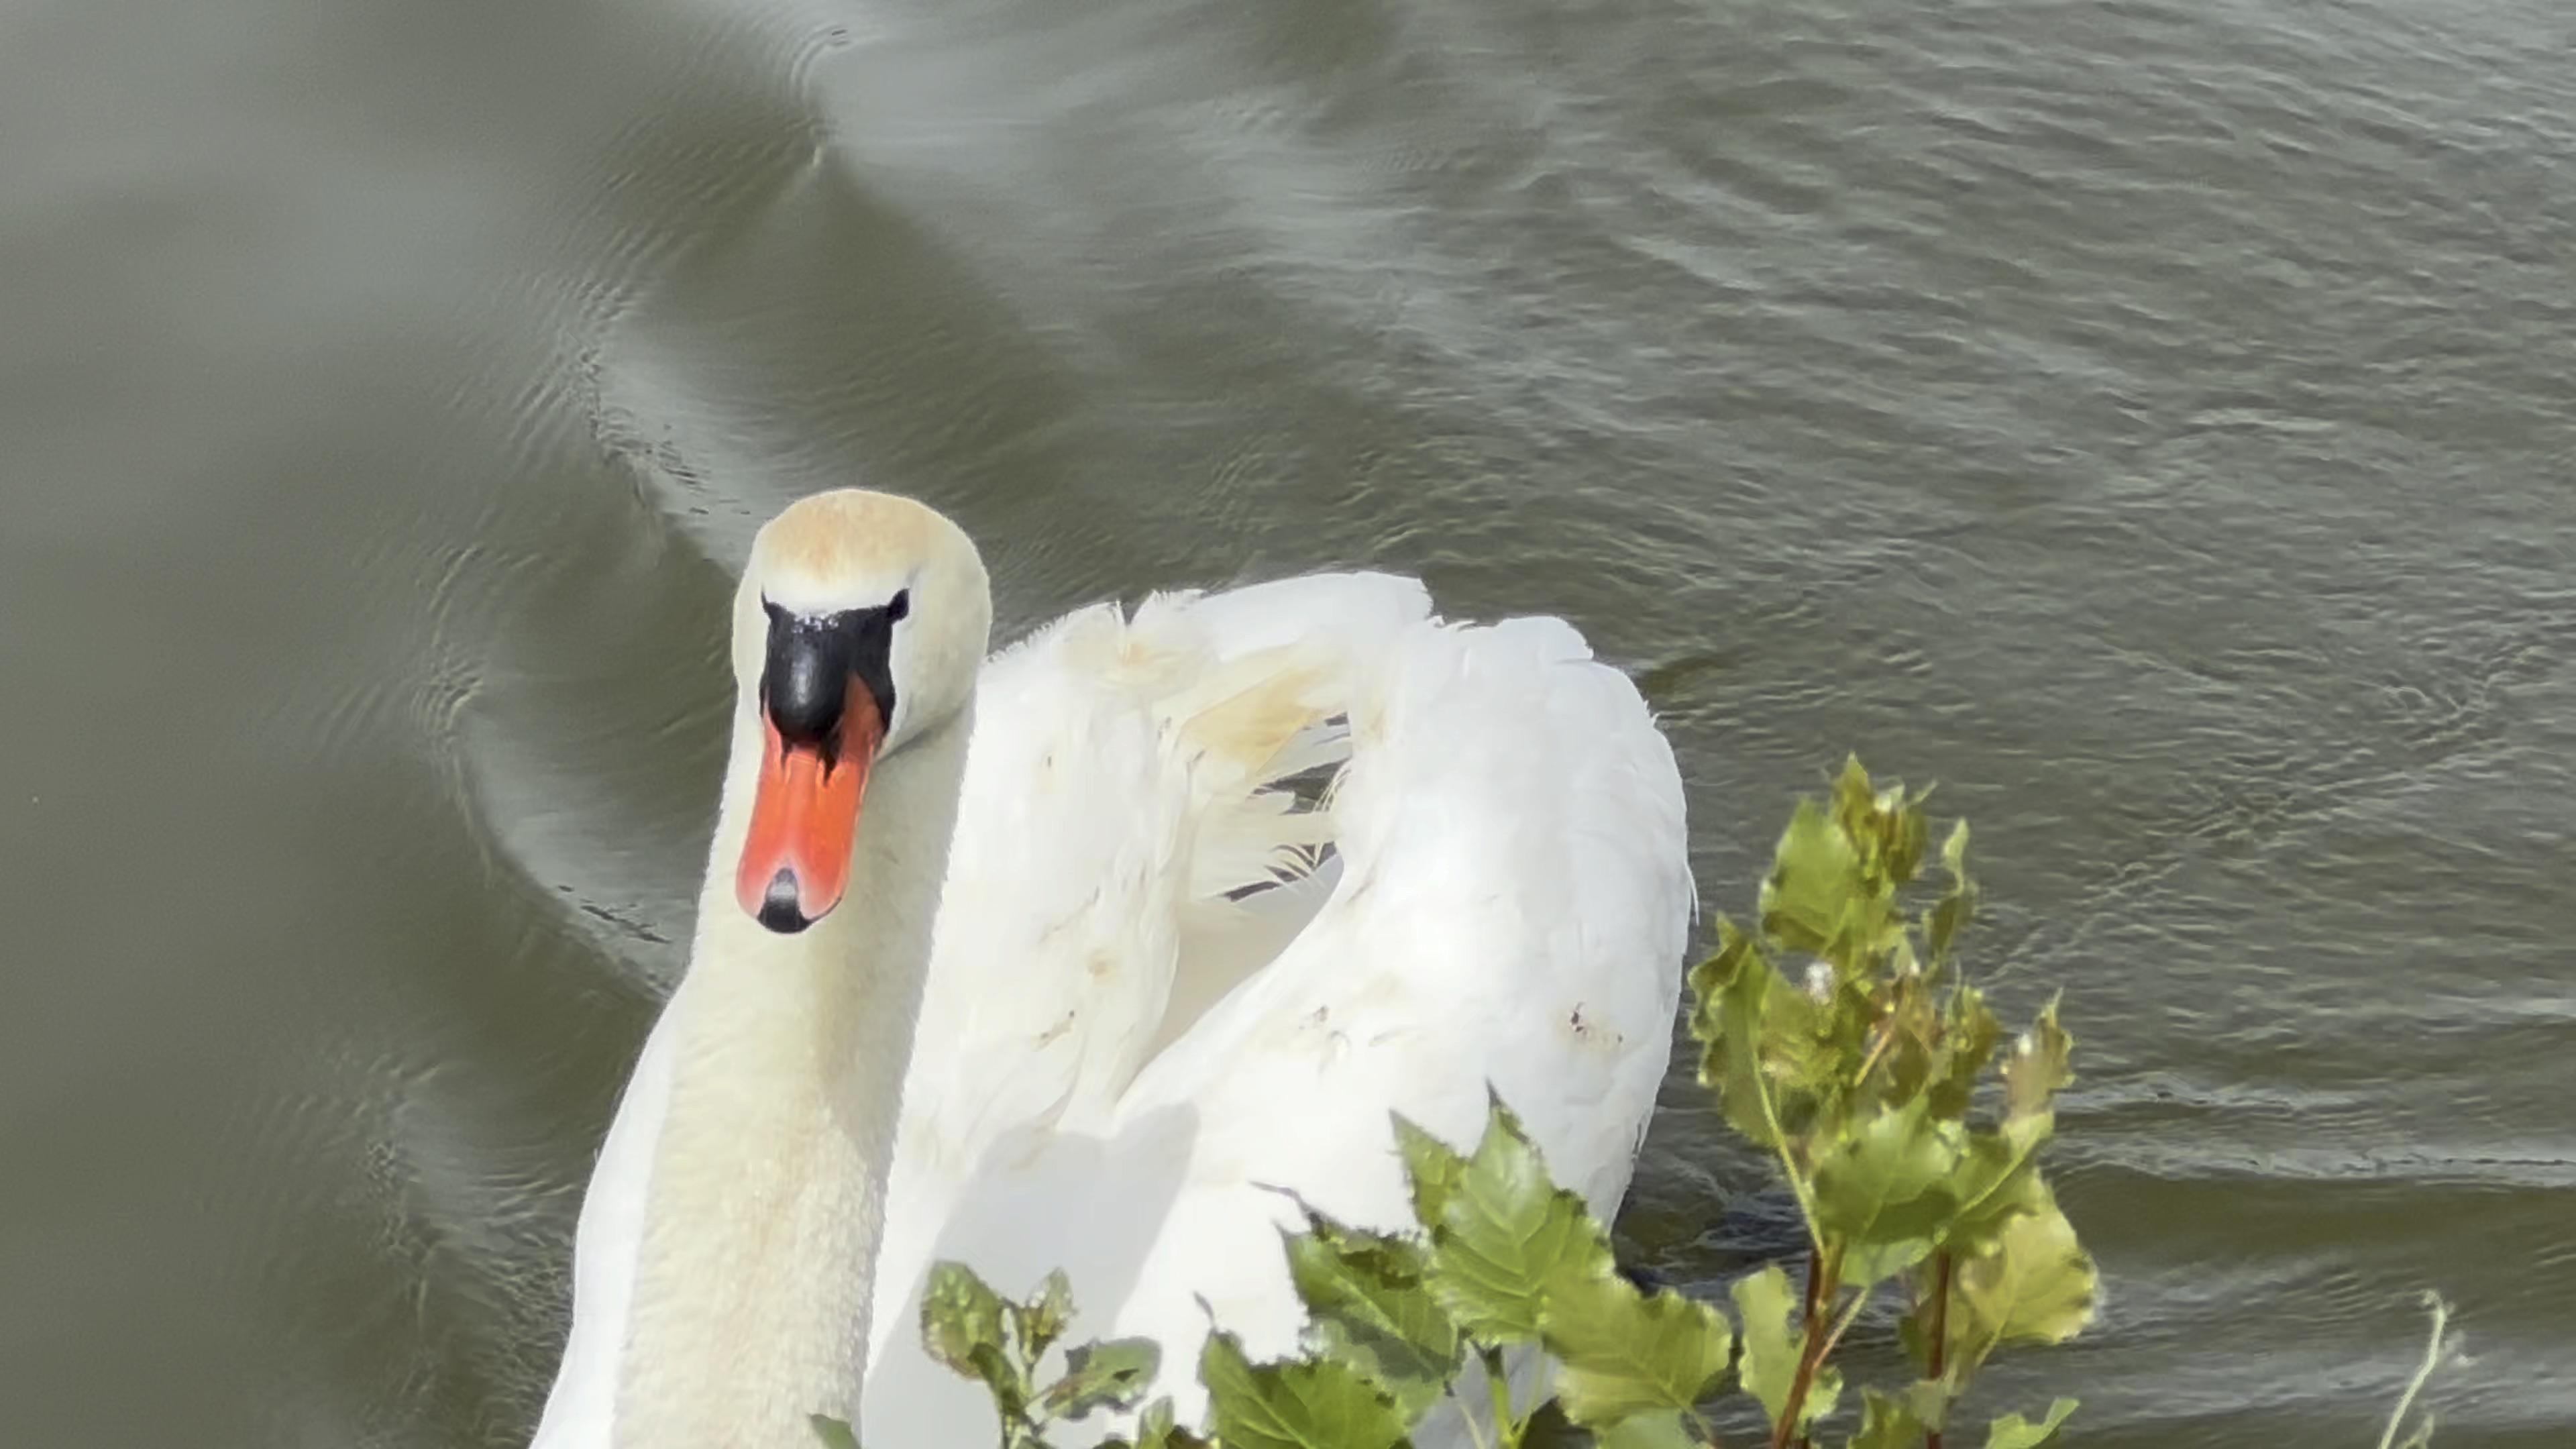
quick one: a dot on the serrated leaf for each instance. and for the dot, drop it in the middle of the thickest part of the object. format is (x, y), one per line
(1901, 827)
(1928, 1400)
(1431, 1168)
(1994, 1182)
(1648, 1431)
(1007, 1381)
(1812, 900)
(1043, 1319)
(1155, 1429)
(1886, 1422)
(1300, 1404)
(1114, 1375)
(1621, 1352)
(1882, 1189)
(2037, 1067)
(1951, 914)
(1369, 1305)
(1823, 1392)
(960, 1313)
(1728, 990)
(2037, 1286)
(1763, 1036)
(1504, 1230)
(834, 1433)
(1969, 1034)
(1764, 1303)
(2012, 1431)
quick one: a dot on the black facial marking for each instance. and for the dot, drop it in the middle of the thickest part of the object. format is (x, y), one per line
(805, 684)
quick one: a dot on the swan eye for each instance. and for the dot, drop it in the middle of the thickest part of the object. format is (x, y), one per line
(899, 606)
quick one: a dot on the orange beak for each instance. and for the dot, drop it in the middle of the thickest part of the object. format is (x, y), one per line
(806, 817)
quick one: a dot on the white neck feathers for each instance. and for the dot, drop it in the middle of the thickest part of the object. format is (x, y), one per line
(766, 1198)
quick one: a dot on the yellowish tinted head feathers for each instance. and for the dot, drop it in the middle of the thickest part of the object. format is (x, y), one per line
(854, 549)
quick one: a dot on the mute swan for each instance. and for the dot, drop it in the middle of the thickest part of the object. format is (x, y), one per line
(1158, 976)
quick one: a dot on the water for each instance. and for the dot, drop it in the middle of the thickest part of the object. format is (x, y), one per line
(2148, 420)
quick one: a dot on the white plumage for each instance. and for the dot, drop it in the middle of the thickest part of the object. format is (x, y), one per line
(1173, 969)
(1506, 902)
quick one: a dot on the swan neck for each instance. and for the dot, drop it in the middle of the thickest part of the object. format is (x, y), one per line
(767, 1191)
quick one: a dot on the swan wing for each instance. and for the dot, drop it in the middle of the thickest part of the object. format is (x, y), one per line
(1155, 998)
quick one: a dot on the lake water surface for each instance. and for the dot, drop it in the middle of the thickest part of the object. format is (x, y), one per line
(2149, 419)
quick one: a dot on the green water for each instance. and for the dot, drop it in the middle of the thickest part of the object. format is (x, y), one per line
(2151, 421)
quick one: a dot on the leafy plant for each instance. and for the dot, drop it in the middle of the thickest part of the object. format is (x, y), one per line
(979, 1334)
(1505, 1261)
(1871, 1076)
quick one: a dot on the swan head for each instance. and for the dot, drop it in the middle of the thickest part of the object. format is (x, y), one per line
(859, 628)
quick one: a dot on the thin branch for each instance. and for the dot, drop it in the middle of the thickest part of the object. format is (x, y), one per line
(1815, 1281)
(1811, 1354)
(2423, 1372)
(1941, 1331)
(1851, 1314)
(1780, 1143)
(1498, 1390)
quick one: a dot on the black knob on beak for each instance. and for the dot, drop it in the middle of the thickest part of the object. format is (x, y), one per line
(781, 910)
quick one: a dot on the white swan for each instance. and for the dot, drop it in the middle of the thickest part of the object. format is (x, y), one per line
(1155, 977)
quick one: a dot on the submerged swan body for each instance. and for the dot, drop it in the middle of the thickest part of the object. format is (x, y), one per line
(1232, 879)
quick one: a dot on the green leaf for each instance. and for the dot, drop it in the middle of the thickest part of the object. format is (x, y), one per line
(1622, 1352)
(1503, 1232)
(834, 1433)
(1882, 1189)
(1928, 1400)
(1156, 1430)
(2036, 1286)
(2012, 1431)
(960, 1313)
(1728, 991)
(1369, 1305)
(1886, 1422)
(1112, 1375)
(1815, 898)
(1430, 1166)
(1942, 924)
(1764, 1303)
(1763, 1036)
(1669, 1430)
(1042, 1320)
(1969, 1035)
(2037, 1067)
(1300, 1404)
(1994, 1182)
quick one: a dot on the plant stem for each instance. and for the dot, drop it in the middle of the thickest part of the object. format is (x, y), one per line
(1843, 1324)
(1940, 1330)
(1882, 1037)
(1815, 1310)
(1780, 1144)
(1498, 1389)
(1815, 1280)
(1823, 1269)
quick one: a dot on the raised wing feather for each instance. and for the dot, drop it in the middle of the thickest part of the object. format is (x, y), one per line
(1154, 995)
